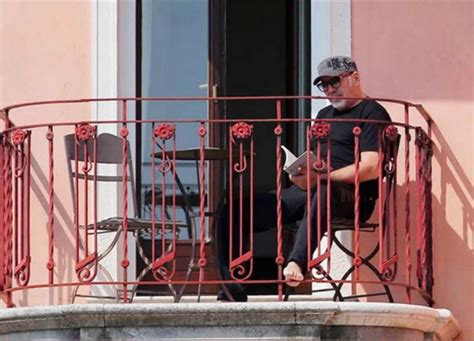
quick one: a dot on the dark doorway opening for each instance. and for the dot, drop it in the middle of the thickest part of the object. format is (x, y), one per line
(266, 51)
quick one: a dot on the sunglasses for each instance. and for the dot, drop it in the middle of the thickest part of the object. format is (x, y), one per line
(334, 82)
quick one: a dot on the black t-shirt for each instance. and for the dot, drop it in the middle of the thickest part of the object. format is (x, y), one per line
(342, 136)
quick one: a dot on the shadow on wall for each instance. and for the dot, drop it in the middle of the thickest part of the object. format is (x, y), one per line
(453, 255)
(451, 171)
(370, 240)
(63, 242)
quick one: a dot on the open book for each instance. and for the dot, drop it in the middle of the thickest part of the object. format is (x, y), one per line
(292, 163)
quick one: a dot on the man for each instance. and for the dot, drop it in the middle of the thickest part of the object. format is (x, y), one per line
(337, 77)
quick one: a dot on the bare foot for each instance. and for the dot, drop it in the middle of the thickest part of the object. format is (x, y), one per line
(293, 274)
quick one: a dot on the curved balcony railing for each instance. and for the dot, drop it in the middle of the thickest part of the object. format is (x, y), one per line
(52, 204)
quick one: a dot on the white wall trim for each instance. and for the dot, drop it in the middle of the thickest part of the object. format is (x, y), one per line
(330, 35)
(113, 75)
(105, 57)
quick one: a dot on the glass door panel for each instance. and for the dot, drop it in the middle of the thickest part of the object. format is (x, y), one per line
(174, 63)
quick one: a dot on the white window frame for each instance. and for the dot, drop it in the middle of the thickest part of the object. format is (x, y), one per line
(113, 75)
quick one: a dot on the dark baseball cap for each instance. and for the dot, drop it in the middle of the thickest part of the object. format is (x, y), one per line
(334, 66)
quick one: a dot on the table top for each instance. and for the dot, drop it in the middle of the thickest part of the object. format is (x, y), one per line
(210, 153)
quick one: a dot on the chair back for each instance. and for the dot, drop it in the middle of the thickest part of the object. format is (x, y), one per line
(109, 150)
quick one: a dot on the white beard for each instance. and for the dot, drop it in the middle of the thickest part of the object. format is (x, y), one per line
(339, 104)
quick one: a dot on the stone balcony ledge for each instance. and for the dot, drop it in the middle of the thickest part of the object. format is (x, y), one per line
(275, 320)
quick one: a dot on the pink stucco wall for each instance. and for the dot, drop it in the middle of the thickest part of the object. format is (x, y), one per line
(45, 54)
(422, 51)
(46, 50)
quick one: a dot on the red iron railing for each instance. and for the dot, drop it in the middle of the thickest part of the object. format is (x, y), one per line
(403, 238)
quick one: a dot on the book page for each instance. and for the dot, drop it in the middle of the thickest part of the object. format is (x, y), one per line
(293, 163)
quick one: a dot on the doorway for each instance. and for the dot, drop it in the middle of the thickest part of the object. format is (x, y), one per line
(231, 48)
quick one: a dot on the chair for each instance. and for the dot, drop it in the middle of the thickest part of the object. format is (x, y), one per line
(88, 157)
(267, 238)
(390, 149)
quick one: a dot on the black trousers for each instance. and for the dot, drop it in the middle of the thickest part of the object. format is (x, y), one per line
(294, 203)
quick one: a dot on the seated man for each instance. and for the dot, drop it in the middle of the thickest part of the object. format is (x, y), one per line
(337, 77)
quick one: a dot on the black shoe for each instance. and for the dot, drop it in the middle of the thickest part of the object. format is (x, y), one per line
(233, 292)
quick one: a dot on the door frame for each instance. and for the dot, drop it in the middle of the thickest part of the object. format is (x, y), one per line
(112, 75)
(112, 37)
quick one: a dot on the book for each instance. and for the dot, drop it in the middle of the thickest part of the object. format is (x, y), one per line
(292, 162)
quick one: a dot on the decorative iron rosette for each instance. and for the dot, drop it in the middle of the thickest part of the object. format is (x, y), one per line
(319, 166)
(19, 136)
(124, 132)
(50, 135)
(202, 131)
(50, 265)
(357, 131)
(320, 130)
(391, 133)
(242, 130)
(85, 132)
(280, 260)
(164, 131)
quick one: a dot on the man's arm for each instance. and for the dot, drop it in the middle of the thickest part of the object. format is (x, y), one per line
(368, 170)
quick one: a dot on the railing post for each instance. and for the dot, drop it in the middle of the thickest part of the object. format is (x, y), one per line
(424, 224)
(125, 259)
(357, 259)
(407, 205)
(202, 262)
(2, 214)
(427, 261)
(238, 133)
(161, 272)
(6, 219)
(280, 261)
(50, 264)
(318, 132)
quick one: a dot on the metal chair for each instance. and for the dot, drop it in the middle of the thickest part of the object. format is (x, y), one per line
(390, 149)
(87, 156)
(390, 153)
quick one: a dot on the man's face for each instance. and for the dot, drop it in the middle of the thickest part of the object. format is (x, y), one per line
(339, 86)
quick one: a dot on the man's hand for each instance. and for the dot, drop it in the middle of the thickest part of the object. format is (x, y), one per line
(300, 179)
(368, 170)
